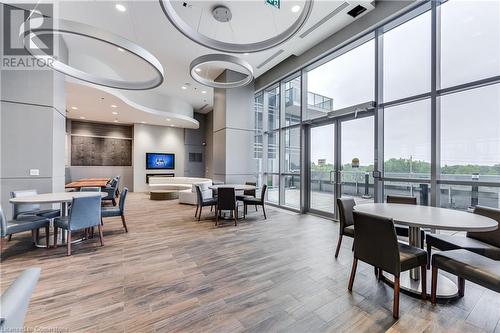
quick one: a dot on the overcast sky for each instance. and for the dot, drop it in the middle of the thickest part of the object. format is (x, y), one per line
(470, 129)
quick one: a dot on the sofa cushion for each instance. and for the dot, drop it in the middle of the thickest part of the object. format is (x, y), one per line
(470, 266)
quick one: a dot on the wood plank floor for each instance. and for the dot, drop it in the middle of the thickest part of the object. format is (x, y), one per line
(172, 274)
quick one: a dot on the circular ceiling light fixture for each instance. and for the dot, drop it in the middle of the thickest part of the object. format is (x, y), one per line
(247, 70)
(48, 26)
(221, 46)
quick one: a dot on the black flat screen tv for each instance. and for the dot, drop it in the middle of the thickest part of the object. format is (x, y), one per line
(160, 161)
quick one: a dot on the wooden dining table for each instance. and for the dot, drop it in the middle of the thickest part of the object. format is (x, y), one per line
(435, 218)
(88, 182)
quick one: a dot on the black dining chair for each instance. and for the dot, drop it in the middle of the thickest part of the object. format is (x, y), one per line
(402, 230)
(203, 202)
(249, 201)
(376, 244)
(248, 193)
(345, 207)
(226, 200)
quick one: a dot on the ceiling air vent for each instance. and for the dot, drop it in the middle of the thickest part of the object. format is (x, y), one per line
(265, 62)
(356, 11)
(324, 19)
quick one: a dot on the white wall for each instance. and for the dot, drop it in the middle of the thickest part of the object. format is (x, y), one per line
(156, 139)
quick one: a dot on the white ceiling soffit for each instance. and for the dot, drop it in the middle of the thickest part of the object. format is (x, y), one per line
(336, 11)
(90, 102)
(145, 24)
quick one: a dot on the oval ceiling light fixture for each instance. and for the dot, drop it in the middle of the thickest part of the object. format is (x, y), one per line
(218, 58)
(49, 26)
(221, 46)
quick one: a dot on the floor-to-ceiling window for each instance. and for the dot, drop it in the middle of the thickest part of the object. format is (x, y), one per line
(434, 75)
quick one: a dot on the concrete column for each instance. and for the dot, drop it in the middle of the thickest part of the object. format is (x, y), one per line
(32, 128)
(233, 132)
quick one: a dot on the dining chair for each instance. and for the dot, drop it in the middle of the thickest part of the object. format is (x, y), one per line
(90, 189)
(117, 211)
(226, 200)
(22, 210)
(376, 244)
(29, 223)
(85, 213)
(111, 190)
(402, 230)
(345, 207)
(203, 202)
(15, 300)
(249, 201)
(485, 243)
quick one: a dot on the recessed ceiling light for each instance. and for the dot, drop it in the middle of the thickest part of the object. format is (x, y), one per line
(120, 7)
(245, 53)
(172, 125)
(184, 87)
(113, 106)
(143, 122)
(203, 91)
(114, 112)
(120, 49)
(116, 120)
(74, 108)
(197, 69)
(295, 9)
(168, 119)
(82, 117)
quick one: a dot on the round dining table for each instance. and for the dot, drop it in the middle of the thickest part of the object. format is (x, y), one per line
(435, 218)
(63, 198)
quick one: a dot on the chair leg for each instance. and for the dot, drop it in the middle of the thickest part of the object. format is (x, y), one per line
(101, 237)
(55, 236)
(395, 305)
(211, 207)
(461, 287)
(199, 216)
(235, 217)
(429, 249)
(423, 278)
(196, 213)
(338, 246)
(10, 237)
(216, 216)
(353, 273)
(375, 271)
(434, 284)
(264, 210)
(114, 201)
(2, 245)
(256, 208)
(68, 247)
(47, 236)
(124, 223)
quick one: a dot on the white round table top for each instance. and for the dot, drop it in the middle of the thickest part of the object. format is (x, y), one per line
(54, 197)
(429, 217)
(237, 187)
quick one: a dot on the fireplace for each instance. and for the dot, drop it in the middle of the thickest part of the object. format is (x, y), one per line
(158, 175)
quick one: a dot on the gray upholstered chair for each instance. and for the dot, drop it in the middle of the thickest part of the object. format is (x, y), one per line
(111, 189)
(117, 211)
(376, 244)
(15, 300)
(29, 223)
(402, 230)
(22, 210)
(203, 202)
(85, 213)
(345, 207)
(466, 265)
(485, 243)
(226, 200)
(90, 189)
(250, 201)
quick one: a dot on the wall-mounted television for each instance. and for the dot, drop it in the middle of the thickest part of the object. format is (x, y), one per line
(160, 161)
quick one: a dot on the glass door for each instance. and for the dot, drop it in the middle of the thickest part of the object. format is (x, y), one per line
(322, 162)
(357, 159)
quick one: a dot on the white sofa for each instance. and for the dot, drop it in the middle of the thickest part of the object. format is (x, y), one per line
(185, 186)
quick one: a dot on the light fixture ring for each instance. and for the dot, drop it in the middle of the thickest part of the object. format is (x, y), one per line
(210, 58)
(49, 26)
(221, 46)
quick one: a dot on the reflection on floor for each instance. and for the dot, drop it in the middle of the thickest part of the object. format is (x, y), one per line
(170, 273)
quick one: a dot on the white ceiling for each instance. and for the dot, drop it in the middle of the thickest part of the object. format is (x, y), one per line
(145, 24)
